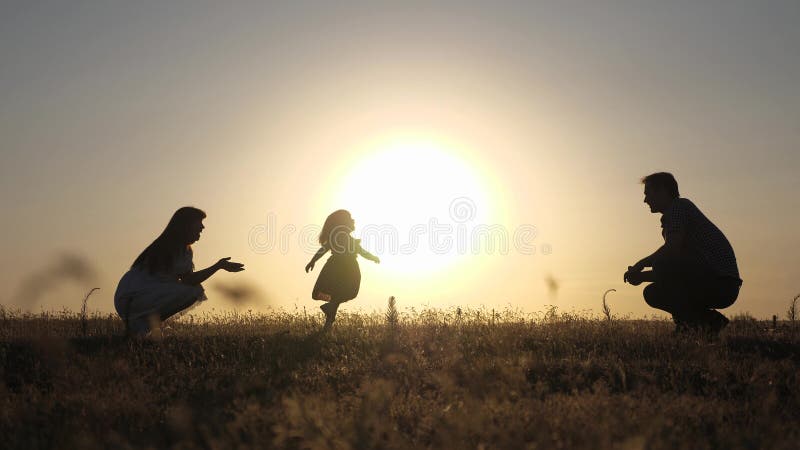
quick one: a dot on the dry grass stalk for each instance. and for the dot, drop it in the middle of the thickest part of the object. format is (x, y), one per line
(606, 308)
(791, 314)
(84, 321)
(391, 314)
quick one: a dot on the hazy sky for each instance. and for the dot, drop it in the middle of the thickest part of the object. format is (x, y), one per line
(114, 114)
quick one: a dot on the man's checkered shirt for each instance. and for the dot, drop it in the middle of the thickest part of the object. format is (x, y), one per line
(702, 238)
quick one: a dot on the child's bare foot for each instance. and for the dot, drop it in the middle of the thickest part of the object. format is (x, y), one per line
(326, 310)
(330, 314)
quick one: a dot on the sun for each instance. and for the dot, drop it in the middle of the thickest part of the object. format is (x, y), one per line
(413, 201)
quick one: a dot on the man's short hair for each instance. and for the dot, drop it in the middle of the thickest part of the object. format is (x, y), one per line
(663, 180)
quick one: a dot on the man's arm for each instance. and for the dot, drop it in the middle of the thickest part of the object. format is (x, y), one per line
(674, 223)
(648, 260)
(638, 278)
(671, 249)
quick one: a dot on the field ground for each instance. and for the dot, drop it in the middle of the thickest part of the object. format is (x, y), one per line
(429, 379)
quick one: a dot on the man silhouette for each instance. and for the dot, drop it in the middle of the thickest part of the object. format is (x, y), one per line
(694, 272)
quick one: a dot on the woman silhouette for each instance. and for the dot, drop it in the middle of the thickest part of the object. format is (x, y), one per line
(162, 281)
(340, 277)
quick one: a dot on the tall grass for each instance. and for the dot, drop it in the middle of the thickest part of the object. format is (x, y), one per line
(791, 314)
(84, 311)
(606, 308)
(400, 378)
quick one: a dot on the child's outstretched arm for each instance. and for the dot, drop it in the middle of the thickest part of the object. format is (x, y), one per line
(322, 250)
(367, 254)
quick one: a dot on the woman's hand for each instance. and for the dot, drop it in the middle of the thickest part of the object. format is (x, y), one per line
(227, 265)
(200, 276)
(376, 260)
(309, 267)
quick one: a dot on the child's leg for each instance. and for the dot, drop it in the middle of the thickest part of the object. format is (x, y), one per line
(330, 309)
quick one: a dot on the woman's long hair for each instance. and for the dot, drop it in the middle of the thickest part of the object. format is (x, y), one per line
(159, 255)
(338, 222)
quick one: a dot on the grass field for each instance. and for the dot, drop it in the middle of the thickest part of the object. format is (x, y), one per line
(418, 379)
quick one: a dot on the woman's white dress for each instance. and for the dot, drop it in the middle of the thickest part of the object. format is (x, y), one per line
(142, 297)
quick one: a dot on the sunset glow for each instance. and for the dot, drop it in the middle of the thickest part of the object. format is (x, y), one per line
(270, 116)
(410, 198)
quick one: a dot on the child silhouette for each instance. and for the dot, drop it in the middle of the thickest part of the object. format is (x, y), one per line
(340, 277)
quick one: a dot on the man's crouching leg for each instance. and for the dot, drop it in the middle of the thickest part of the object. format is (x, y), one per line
(717, 294)
(661, 295)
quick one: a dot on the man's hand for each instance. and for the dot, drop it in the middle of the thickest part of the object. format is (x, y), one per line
(634, 269)
(634, 278)
(309, 267)
(638, 267)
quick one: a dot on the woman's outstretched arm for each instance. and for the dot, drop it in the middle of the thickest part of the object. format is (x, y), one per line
(322, 250)
(198, 277)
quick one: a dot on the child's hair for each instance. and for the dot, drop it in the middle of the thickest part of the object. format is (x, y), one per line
(336, 222)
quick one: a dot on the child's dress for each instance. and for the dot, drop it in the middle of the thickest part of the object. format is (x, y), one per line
(142, 296)
(340, 278)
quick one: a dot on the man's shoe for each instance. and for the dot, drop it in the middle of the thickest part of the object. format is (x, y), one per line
(716, 322)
